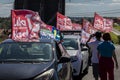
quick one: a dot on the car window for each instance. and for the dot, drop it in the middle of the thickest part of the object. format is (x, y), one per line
(3, 50)
(70, 44)
(26, 51)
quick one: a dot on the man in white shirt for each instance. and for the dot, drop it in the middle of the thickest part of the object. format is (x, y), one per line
(93, 48)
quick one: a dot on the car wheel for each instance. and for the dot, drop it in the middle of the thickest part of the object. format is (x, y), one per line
(72, 77)
(81, 69)
(80, 73)
(86, 69)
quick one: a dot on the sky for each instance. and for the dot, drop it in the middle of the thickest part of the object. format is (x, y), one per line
(86, 8)
(76, 8)
(5, 7)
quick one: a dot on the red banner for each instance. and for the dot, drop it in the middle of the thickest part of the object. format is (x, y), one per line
(98, 22)
(76, 26)
(85, 36)
(87, 27)
(63, 22)
(108, 25)
(25, 25)
(103, 24)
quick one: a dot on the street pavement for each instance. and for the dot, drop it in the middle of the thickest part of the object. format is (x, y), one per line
(89, 75)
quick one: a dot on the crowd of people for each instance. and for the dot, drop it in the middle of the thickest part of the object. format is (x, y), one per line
(103, 56)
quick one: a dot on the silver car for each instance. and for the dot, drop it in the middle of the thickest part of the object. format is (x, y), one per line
(78, 53)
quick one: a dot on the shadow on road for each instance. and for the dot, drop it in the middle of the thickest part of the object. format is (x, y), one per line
(80, 77)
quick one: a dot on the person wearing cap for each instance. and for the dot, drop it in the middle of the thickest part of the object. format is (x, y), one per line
(94, 53)
(107, 57)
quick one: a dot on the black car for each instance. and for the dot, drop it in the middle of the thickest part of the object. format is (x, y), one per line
(44, 60)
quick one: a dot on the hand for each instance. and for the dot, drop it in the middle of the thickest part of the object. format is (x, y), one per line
(92, 35)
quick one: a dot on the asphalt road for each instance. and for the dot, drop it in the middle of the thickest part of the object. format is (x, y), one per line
(89, 75)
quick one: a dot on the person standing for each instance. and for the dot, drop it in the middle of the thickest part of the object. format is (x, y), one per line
(94, 53)
(106, 51)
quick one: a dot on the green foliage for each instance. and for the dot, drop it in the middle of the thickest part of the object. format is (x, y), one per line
(115, 38)
(119, 38)
(5, 23)
(116, 26)
(1, 40)
(3, 37)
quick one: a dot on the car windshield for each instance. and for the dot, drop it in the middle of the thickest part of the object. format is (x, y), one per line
(25, 51)
(70, 44)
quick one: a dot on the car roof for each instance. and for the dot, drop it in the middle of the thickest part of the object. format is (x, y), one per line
(41, 40)
(47, 40)
(72, 36)
(7, 40)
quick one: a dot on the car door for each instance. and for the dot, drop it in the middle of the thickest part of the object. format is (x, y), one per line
(64, 69)
(85, 54)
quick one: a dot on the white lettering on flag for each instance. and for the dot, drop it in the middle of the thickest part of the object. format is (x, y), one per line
(25, 25)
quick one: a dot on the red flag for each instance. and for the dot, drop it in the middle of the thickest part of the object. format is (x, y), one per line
(88, 27)
(76, 26)
(98, 22)
(85, 36)
(103, 24)
(25, 25)
(63, 22)
(108, 25)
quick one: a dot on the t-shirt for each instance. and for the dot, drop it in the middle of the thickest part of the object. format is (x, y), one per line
(106, 49)
(93, 48)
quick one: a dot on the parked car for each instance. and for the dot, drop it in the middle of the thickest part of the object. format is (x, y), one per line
(44, 60)
(79, 54)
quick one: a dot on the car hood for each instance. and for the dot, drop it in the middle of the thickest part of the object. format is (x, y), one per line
(72, 52)
(22, 71)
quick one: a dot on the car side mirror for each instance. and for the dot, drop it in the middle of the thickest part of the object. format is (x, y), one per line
(64, 60)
